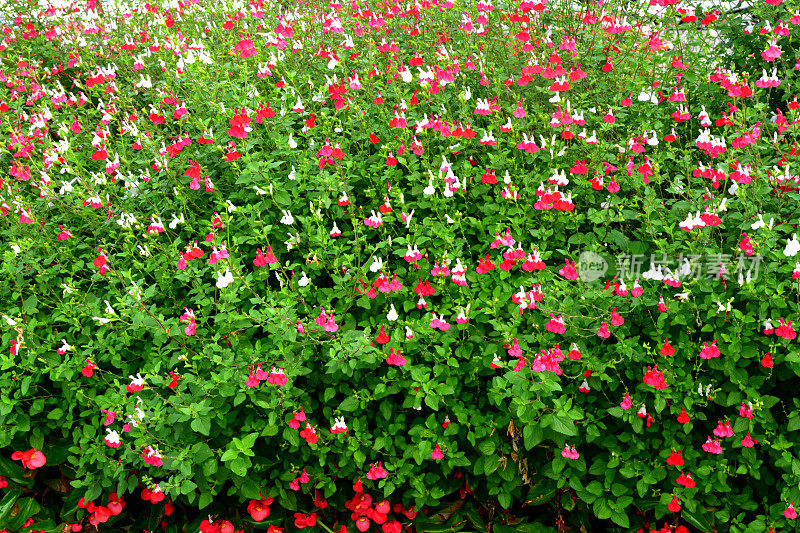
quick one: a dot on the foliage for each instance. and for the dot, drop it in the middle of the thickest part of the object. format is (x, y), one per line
(319, 256)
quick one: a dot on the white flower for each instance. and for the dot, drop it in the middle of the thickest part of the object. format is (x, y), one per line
(292, 142)
(102, 320)
(409, 216)
(224, 279)
(113, 436)
(377, 264)
(429, 190)
(231, 207)
(287, 218)
(792, 247)
(176, 220)
(303, 281)
(392, 315)
(654, 273)
(11, 322)
(16, 249)
(685, 269)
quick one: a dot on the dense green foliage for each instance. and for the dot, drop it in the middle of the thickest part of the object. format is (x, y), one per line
(443, 221)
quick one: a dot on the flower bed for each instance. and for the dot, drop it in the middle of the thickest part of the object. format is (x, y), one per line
(399, 265)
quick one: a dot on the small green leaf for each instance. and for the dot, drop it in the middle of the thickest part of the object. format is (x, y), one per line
(349, 404)
(201, 425)
(564, 426)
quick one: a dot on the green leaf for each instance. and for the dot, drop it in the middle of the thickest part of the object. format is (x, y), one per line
(240, 465)
(504, 499)
(205, 499)
(349, 404)
(432, 401)
(697, 520)
(564, 426)
(201, 425)
(487, 447)
(533, 435)
(7, 504)
(620, 518)
(601, 509)
(28, 508)
(14, 472)
(491, 464)
(595, 487)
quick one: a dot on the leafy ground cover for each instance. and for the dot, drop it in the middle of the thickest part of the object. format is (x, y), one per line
(399, 266)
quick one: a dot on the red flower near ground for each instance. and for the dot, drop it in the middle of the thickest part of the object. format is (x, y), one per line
(259, 509)
(32, 459)
(303, 520)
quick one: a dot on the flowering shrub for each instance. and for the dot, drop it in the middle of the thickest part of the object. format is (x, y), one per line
(374, 264)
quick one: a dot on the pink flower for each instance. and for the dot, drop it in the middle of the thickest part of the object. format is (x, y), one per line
(709, 352)
(626, 402)
(569, 271)
(294, 423)
(31, 459)
(556, 325)
(654, 378)
(515, 350)
(616, 319)
(437, 454)
(330, 325)
(603, 331)
(276, 377)
(790, 513)
(252, 380)
(376, 472)
(395, 358)
(110, 415)
(570, 453)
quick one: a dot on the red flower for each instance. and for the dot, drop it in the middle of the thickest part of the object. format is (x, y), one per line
(683, 418)
(259, 509)
(674, 506)
(382, 337)
(31, 459)
(675, 459)
(376, 471)
(303, 520)
(667, 350)
(115, 504)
